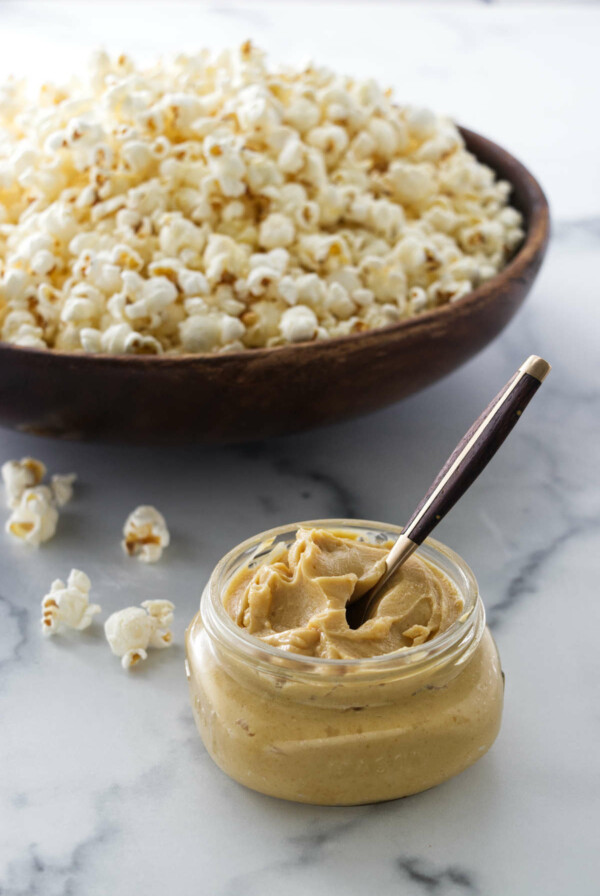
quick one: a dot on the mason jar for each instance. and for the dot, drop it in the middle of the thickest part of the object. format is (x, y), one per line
(340, 731)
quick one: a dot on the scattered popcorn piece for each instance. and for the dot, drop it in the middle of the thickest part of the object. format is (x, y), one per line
(186, 207)
(161, 612)
(146, 534)
(19, 475)
(68, 606)
(35, 517)
(131, 631)
(62, 487)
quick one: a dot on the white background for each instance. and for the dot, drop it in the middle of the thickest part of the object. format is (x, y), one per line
(105, 787)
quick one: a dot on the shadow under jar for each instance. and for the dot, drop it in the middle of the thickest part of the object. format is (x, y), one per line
(343, 732)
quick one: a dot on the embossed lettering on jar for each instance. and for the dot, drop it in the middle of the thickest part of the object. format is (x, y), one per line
(349, 731)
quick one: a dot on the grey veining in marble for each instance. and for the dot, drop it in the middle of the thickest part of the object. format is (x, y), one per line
(105, 787)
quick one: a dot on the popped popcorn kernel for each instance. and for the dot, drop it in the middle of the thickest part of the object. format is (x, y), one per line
(35, 517)
(145, 534)
(131, 631)
(68, 606)
(61, 486)
(142, 208)
(298, 324)
(19, 475)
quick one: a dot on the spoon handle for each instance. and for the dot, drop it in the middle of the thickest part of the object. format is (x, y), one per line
(471, 455)
(476, 448)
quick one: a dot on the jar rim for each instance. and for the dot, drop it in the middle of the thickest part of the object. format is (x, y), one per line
(220, 625)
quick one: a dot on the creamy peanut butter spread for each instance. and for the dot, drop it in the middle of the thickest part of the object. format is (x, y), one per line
(296, 598)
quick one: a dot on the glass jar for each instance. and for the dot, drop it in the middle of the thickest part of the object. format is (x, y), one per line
(343, 732)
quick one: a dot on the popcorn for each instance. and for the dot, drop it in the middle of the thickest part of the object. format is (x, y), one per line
(230, 329)
(19, 475)
(68, 606)
(91, 339)
(331, 139)
(25, 475)
(114, 338)
(421, 122)
(35, 517)
(339, 302)
(291, 157)
(287, 290)
(298, 324)
(43, 262)
(189, 207)
(61, 486)
(205, 331)
(417, 298)
(137, 344)
(384, 138)
(146, 534)
(192, 283)
(131, 631)
(275, 231)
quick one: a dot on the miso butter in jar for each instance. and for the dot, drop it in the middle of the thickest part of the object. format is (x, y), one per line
(343, 731)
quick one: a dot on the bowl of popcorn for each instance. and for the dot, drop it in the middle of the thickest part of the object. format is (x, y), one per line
(214, 250)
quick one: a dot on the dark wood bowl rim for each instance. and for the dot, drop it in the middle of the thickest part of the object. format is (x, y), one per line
(538, 229)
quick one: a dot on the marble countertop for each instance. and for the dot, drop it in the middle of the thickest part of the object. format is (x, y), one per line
(105, 787)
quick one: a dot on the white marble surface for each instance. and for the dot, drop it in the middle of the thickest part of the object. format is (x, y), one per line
(105, 787)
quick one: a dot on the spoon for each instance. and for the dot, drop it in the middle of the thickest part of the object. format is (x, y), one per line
(469, 458)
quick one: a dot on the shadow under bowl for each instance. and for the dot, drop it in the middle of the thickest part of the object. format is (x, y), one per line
(273, 391)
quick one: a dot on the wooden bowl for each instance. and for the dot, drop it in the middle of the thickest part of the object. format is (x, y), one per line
(265, 392)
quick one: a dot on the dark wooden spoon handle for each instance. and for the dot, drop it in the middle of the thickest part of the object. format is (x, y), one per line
(471, 455)
(476, 448)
